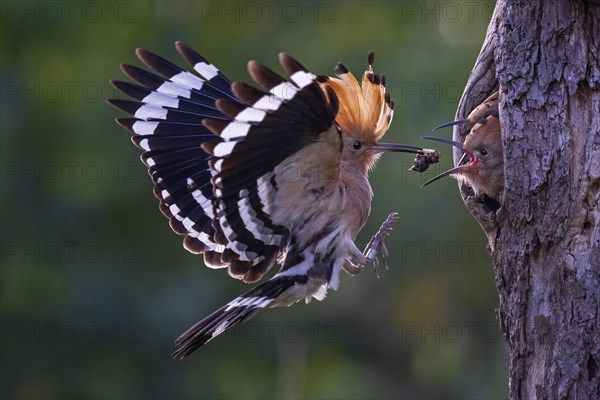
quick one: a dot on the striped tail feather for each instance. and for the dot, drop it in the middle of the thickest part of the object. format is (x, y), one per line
(242, 308)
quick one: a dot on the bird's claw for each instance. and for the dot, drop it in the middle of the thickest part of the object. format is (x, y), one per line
(377, 242)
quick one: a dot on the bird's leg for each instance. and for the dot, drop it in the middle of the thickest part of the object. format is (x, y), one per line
(351, 268)
(377, 241)
(358, 260)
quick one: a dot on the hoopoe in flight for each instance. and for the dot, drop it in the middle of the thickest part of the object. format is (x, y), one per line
(484, 169)
(257, 176)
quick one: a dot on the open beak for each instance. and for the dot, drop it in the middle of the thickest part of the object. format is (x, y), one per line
(404, 148)
(461, 164)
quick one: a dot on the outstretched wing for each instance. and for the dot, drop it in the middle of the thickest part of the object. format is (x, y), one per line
(167, 124)
(212, 148)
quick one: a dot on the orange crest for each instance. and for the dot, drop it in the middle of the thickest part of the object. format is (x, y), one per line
(365, 111)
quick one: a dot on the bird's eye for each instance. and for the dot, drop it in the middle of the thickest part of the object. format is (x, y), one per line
(356, 145)
(483, 152)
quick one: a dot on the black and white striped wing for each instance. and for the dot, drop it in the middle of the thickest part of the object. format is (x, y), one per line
(167, 111)
(270, 126)
(211, 149)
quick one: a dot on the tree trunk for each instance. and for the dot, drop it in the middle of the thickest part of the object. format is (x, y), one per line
(545, 237)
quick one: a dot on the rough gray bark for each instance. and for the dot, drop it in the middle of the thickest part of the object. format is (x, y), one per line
(545, 237)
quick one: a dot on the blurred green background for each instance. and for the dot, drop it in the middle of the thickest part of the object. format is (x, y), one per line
(95, 286)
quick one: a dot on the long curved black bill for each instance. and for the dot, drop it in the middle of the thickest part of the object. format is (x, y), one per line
(453, 170)
(442, 140)
(404, 148)
(451, 123)
(443, 174)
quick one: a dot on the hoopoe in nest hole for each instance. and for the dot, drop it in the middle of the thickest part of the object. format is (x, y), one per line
(482, 163)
